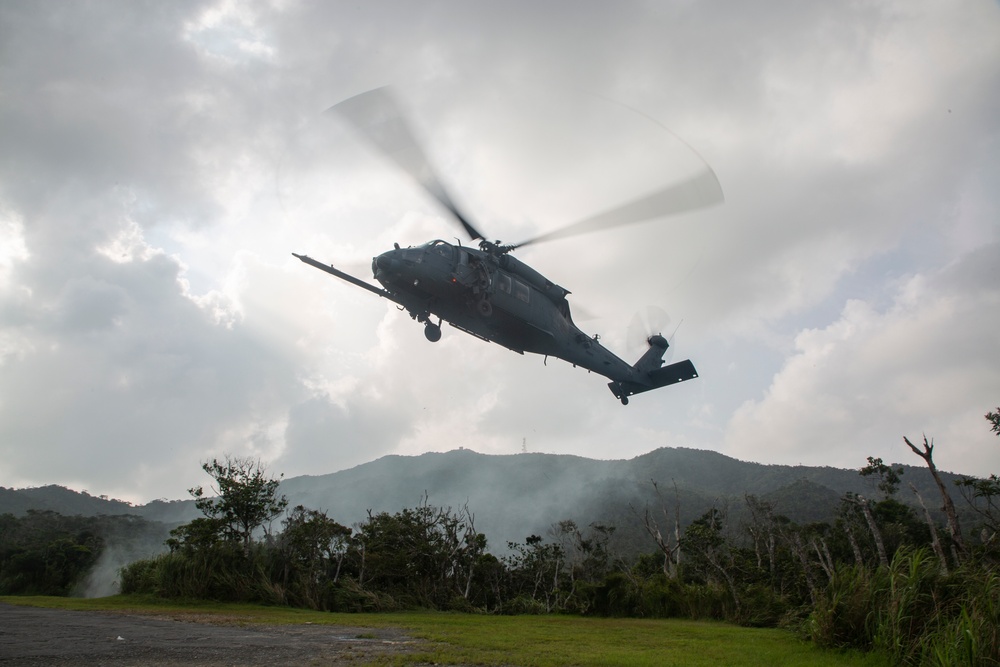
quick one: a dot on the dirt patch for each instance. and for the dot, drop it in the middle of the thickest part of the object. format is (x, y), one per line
(33, 636)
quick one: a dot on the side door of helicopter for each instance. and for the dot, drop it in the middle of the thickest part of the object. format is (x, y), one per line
(529, 324)
(511, 294)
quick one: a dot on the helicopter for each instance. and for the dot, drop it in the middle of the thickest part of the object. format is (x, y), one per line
(487, 292)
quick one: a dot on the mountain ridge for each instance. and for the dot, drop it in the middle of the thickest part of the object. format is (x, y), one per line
(513, 496)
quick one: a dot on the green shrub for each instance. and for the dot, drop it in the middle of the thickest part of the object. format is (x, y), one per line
(523, 604)
(347, 596)
(704, 601)
(842, 612)
(761, 606)
(140, 577)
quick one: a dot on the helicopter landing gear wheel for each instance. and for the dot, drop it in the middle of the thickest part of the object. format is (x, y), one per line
(432, 332)
(624, 400)
(484, 308)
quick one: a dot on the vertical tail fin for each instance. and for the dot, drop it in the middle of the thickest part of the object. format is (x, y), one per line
(652, 359)
(650, 373)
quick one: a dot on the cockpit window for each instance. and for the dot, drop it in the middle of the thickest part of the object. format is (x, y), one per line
(442, 248)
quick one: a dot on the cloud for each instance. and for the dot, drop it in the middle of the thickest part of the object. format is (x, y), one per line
(113, 369)
(161, 163)
(855, 387)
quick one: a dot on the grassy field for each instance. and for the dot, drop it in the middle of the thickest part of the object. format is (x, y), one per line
(542, 641)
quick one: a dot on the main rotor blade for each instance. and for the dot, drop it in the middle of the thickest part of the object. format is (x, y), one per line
(697, 192)
(377, 117)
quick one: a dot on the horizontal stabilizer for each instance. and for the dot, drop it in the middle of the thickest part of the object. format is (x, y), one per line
(674, 373)
(660, 377)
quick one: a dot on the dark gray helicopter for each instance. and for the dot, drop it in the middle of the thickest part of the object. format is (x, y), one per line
(489, 293)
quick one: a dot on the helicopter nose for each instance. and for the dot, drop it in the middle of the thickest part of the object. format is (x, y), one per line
(386, 262)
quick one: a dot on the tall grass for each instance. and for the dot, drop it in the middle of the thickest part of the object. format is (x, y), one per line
(911, 612)
(906, 607)
(970, 634)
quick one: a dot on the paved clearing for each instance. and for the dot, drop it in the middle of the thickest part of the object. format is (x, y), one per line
(34, 636)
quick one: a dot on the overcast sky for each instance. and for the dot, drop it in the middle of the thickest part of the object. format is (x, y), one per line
(162, 160)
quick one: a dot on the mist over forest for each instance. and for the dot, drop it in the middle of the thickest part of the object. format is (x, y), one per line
(514, 496)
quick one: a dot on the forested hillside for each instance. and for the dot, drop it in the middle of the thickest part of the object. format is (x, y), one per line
(59, 499)
(514, 496)
(518, 495)
(43, 552)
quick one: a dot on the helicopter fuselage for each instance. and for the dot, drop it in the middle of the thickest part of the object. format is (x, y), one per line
(496, 297)
(499, 299)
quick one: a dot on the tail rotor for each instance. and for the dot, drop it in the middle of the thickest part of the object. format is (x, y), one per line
(647, 322)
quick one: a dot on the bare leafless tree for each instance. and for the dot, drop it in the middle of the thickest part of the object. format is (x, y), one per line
(670, 548)
(935, 542)
(866, 511)
(954, 529)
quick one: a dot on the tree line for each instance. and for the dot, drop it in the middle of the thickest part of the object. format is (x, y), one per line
(47, 553)
(881, 576)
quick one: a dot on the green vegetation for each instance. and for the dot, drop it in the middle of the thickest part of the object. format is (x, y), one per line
(571, 640)
(541, 641)
(877, 577)
(245, 498)
(45, 553)
(912, 612)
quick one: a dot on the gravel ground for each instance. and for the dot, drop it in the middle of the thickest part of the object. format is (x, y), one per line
(32, 636)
